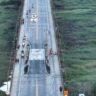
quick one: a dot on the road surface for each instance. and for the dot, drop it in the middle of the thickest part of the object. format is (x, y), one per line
(38, 31)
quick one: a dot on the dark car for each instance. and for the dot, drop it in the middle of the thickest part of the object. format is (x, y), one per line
(26, 69)
(22, 21)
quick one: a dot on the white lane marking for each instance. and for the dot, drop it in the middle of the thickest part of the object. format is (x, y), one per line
(37, 88)
(37, 21)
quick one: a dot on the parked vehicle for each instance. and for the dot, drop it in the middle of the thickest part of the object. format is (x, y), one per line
(23, 44)
(22, 54)
(27, 48)
(61, 89)
(17, 60)
(48, 68)
(22, 21)
(34, 17)
(24, 38)
(26, 69)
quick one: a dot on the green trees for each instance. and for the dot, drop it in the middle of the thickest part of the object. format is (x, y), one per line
(9, 13)
(2, 93)
(76, 34)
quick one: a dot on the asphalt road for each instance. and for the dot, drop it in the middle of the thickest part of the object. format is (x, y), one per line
(37, 82)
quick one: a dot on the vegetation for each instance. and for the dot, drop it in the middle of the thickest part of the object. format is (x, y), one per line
(9, 10)
(2, 93)
(76, 33)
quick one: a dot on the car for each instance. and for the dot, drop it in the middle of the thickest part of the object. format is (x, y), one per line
(26, 69)
(23, 44)
(48, 68)
(22, 21)
(46, 61)
(34, 17)
(60, 89)
(24, 38)
(17, 60)
(28, 45)
(22, 54)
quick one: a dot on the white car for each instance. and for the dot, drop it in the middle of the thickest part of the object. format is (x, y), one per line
(46, 61)
(23, 44)
(34, 18)
(22, 54)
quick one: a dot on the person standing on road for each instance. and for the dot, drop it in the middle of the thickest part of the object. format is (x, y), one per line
(60, 88)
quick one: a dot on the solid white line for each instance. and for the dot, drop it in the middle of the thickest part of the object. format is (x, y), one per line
(37, 20)
(37, 88)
